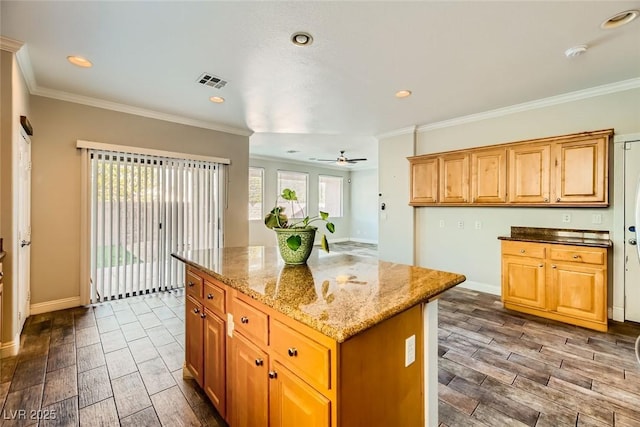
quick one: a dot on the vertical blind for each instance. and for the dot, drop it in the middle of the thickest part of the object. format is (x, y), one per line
(143, 208)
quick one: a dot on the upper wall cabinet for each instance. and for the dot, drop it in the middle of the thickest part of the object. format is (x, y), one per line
(489, 176)
(424, 180)
(570, 170)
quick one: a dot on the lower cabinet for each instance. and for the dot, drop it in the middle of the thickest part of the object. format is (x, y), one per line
(561, 282)
(194, 338)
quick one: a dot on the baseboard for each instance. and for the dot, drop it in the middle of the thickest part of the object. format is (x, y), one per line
(358, 240)
(481, 287)
(618, 314)
(58, 304)
(10, 348)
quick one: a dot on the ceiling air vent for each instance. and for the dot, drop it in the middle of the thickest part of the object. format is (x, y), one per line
(208, 79)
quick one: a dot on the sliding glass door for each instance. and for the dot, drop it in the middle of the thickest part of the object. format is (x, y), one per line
(143, 208)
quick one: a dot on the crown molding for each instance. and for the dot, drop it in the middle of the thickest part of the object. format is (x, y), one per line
(533, 105)
(24, 62)
(397, 132)
(10, 45)
(123, 108)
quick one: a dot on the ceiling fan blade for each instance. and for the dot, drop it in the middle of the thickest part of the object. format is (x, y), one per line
(326, 160)
(357, 160)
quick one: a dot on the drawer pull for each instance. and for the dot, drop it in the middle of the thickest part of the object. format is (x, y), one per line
(191, 284)
(209, 296)
(553, 266)
(273, 374)
(576, 256)
(203, 315)
(292, 352)
(540, 265)
(522, 251)
(244, 319)
(196, 311)
(259, 362)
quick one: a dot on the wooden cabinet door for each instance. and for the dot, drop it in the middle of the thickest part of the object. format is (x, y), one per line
(454, 178)
(249, 384)
(529, 173)
(215, 372)
(294, 403)
(194, 328)
(523, 281)
(578, 291)
(580, 171)
(489, 176)
(424, 180)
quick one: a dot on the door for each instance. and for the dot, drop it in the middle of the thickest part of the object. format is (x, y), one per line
(454, 178)
(580, 173)
(489, 176)
(194, 326)
(249, 387)
(24, 227)
(578, 291)
(523, 281)
(215, 384)
(529, 172)
(424, 180)
(631, 224)
(294, 403)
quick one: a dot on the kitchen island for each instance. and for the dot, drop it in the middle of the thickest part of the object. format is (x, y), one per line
(342, 341)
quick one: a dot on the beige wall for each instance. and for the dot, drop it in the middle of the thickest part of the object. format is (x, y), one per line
(476, 253)
(55, 263)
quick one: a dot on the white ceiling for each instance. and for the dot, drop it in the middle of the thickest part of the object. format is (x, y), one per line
(458, 58)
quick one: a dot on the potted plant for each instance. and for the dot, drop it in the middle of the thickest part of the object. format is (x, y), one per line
(295, 238)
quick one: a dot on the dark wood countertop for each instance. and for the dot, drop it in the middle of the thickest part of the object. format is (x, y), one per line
(560, 236)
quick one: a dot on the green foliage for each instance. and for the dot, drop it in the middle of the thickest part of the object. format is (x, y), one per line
(277, 219)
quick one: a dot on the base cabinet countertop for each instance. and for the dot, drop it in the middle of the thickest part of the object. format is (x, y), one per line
(341, 341)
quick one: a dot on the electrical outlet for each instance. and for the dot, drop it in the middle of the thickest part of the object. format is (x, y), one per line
(442, 223)
(566, 217)
(409, 350)
(596, 219)
(460, 224)
(478, 225)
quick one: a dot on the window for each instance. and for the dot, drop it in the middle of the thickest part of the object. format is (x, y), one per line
(256, 193)
(298, 182)
(330, 195)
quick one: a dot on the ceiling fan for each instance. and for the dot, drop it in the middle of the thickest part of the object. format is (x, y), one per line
(342, 159)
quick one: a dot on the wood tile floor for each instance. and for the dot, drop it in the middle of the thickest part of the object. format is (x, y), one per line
(120, 363)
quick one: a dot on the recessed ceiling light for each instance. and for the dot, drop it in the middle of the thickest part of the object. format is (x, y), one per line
(301, 39)
(217, 99)
(620, 19)
(403, 93)
(574, 51)
(79, 61)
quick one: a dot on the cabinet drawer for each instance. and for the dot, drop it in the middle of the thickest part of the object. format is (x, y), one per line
(535, 250)
(305, 357)
(194, 284)
(582, 255)
(214, 298)
(250, 321)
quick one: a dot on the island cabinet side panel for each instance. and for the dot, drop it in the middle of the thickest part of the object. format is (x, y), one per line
(375, 386)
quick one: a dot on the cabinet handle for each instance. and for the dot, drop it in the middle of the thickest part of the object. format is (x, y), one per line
(196, 310)
(244, 319)
(292, 352)
(191, 284)
(259, 362)
(546, 199)
(203, 315)
(576, 256)
(558, 199)
(209, 296)
(522, 251)
(540, 265)
(273, 374)
(553, 266)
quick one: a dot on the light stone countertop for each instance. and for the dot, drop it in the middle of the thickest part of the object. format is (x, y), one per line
(337, 294)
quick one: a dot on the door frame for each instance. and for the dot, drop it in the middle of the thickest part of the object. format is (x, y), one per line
(618, 232)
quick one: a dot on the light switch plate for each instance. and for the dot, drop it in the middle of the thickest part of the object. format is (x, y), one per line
(409, 350)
